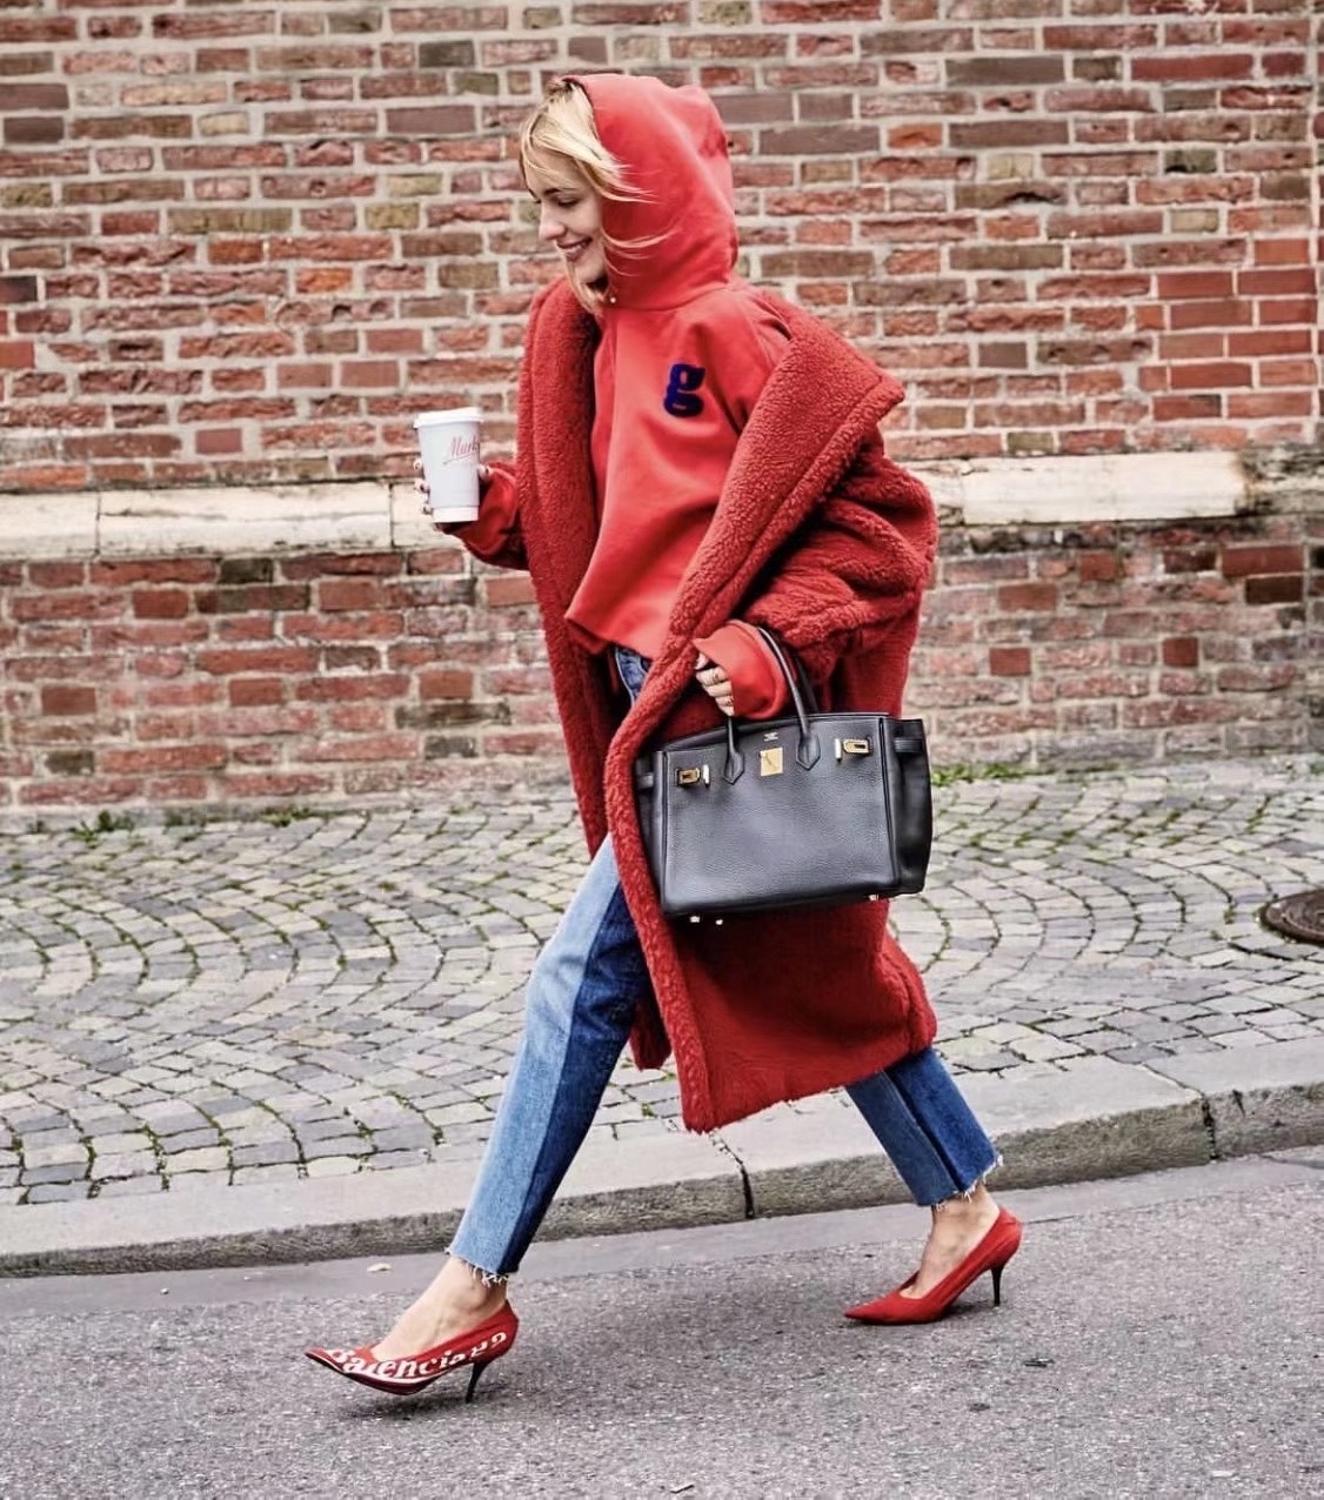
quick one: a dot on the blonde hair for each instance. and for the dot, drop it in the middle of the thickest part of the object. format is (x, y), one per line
(559, 139)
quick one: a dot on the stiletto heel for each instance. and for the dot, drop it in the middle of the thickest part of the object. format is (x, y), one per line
(991, 1254)
(402, 1377)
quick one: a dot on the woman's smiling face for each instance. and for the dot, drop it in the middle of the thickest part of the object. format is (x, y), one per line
(570, 218)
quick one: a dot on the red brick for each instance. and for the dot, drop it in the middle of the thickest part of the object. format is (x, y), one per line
(258, 722)
(1286, 310)
(256, 692)
(1284, 589)
(1238, 562)
(1209, 374)
(1181, 651)
(115, 575)
(64, 606)
(56, 575)
(160, 604)
(60, 699)
(313, 565)
(1009, 661)
(1282, 252)
(446, 119)
(1027, 596)
(1261, 404)
(218, 441)
(1287, 372)
(224, 663)
(17, 356)
(819, 140)
(375, 747)
(305, 376)
(523, 742)
(1192, 408)
(1098, 567)
(93, 791)
(1197, 284)
(349, 593)
(1177, 65)
(162, 758)
(369, 373)
(266, 785)
(327, 689)
(449, 684)
(1276, 283)
(504, 591)
(959, 570)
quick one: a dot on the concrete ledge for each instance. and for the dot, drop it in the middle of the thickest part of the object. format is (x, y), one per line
(1093, 487)
(676, 1181)
(1100, 1119)
(817, 1155)
(377, 515)
(283, 518)
(1261, 1099)
(48, 525)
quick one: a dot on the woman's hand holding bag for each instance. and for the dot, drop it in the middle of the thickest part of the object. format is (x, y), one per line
(811, 810)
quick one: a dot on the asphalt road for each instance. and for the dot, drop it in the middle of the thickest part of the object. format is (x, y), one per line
(1159, 1337)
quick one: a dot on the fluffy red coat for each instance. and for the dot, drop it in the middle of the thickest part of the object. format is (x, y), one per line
(821, 537)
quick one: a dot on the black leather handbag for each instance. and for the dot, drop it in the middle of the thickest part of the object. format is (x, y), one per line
(814, 810)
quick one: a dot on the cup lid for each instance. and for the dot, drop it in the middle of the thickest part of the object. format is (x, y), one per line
(455, 414)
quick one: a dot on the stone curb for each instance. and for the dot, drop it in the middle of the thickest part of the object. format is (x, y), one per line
(1100, 1119)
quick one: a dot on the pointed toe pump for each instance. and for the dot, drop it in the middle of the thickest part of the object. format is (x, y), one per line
(991, 1254)
(474, 1350)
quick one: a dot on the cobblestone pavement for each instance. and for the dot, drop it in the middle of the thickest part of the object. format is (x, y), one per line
(313, 996)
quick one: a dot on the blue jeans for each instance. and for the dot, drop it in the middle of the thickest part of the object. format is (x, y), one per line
(580, 1005)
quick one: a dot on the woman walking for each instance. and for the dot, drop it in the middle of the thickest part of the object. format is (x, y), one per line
(696, 457)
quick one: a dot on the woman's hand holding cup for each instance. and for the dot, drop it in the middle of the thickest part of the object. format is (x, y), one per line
(425, 493)
(451, 477)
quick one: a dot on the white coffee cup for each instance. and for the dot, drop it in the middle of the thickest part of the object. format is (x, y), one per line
(448, 441)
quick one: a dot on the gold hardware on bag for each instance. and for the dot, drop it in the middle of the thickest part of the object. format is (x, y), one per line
(852, 747)
(770, 762)
(692, 776)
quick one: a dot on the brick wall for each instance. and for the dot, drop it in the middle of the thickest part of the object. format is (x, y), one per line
(319, 677)
(241, 242)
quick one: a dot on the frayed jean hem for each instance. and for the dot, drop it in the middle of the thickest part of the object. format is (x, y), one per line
(964, 1195)
(480, 1273)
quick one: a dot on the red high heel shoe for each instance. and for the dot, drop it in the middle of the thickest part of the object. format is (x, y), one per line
(403, 1377)
(992, 1253)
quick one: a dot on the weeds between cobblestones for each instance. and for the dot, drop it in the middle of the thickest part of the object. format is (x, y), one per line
(315, 994)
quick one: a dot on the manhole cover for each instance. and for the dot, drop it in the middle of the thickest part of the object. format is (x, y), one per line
(1300, 916)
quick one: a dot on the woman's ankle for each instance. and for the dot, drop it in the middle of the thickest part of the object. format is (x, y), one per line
(978, 1203)
(467, 1288)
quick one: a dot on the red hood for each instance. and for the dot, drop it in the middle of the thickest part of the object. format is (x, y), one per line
(672, 144)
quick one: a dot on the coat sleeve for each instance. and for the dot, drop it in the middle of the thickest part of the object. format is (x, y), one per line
(856, 566)
(758, 689)
(495, 536)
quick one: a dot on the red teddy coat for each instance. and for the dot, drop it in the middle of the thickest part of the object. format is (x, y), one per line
(821, 537)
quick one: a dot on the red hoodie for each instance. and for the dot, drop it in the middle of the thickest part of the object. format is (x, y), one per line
(686, 347)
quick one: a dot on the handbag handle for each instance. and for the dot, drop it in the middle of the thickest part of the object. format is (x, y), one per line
(784, 654)
(808, 751)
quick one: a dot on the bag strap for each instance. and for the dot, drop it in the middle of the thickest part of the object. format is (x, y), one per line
(808, 750)
(782, 652)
